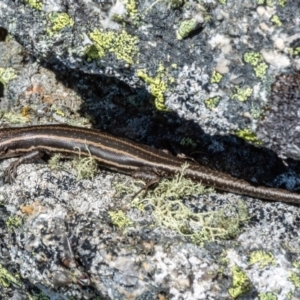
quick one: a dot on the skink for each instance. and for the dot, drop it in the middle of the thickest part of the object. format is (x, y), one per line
(122, 155)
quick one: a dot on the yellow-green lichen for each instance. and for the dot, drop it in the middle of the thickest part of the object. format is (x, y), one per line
(59, 21)
(132, 11)
(275, 20)
(158, 85)
(188, 142)
(256, 60)
(262, 258)
(267, 296)
(123, 45)
(7, 75)
(36, 4)
(282, 2)
(7, 278)
(242, 94)
(295, 279)
(294, 51)
(223, 1)
(15, 118)
(13, 222)
(240, 283)
(249, 136)
(296, 264)
(216, 77)
(119, 219)
(185, 28)
(169, 210)
(212, 103)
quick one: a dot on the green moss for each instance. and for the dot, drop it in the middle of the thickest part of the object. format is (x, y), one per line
(295, 279)
(7, 278)
(158, 86)
(262, 258)
(267, 296)
(242, 94)
(249, 136)
(216, 77)
(7, 75)
(185, 28)
(59, 21)
(188, 142)
(275, 20)
(13, 222)
(119, 219)
(240, 283)
(212, 103)
(123, 45)
(36, 4)
(256, 60)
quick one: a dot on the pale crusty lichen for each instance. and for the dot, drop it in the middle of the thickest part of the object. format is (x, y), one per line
(169, 210)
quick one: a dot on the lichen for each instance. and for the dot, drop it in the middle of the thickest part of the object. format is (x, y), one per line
(13, 222)
(36, 4)
(169, 211)
(7, 278)
(242, 94)
(275, 20)
(186, 27)
(188, 142)
(267, 296)
(256, 60)
(86, 167)
(295, 279)
(119, 219)
(212, 103)
(7, 75)
(223, 2)
(240, 283)
(132, 11)
(59, 21)
(158, 85)
(216, 77)
(262, 258)
(123, 45)
(294, 51)
(248, 135)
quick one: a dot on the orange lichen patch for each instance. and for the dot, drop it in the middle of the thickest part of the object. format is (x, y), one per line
(26, 111)
(34, 89)
(48, 99)
(31, 209)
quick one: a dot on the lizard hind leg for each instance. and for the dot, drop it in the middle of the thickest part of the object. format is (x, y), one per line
(149, 175)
